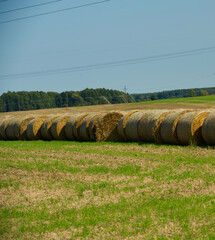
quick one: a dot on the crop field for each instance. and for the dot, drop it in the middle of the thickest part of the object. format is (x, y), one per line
(71, 190)
(106, 190)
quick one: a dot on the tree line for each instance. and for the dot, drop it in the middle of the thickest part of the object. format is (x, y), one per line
(24, 100)
(180, 93)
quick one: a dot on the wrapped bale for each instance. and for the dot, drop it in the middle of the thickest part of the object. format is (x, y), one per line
(106, 127)
(3, 127)
(169, 125)
(208, 129)
(34, 128)
(92, 126)
(149, 125)
(189, 127)
(58, 128)
(20, 127)
(84, 127)
(122, 124)
(46, 128)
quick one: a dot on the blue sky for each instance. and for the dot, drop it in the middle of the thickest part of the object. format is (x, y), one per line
(115, 30)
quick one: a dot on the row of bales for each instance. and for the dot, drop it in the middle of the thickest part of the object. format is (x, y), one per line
(160, 126)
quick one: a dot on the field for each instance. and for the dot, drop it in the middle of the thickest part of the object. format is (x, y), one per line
(74, 190)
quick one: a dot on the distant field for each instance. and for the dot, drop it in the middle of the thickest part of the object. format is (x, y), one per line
(194, 102)
(71, 190)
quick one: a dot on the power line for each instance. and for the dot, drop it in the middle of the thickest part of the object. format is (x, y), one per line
(32, 6)
(56, 11)
(111, 64)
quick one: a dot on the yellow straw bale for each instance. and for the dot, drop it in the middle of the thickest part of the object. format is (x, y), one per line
(3, 127)
(106, 127)
(208, 129)
(168, 127)
(149, 125)
(9, 131)
(58, 127)
(92, 126)
(131, 127)
(189, 127)
(46, 128)
(34, 128)
(69, 130)
(122, 124)
(76, 126)
(20, 127)
(83, 129)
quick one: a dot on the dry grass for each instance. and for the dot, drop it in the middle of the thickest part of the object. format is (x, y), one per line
(124, 191)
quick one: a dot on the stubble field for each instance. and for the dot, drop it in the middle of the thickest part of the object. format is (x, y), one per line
(80, 190)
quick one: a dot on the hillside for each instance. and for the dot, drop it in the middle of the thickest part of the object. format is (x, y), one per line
(185, 103)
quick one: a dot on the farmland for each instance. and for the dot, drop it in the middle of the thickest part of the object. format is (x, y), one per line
(86, 190)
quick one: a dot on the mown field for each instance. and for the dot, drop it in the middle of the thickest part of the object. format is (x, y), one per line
(71, 190)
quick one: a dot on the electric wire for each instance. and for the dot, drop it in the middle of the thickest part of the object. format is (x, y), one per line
(32, 6)
(56, 11)
(134, 61)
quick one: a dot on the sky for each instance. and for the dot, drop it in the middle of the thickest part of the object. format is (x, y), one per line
(106, 44)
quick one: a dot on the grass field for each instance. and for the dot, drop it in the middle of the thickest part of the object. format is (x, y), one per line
(71, 190)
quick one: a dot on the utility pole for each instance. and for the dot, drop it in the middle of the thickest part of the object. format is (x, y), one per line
(125, 91)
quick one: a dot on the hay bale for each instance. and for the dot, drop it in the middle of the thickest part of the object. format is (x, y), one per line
(169, 125)
(58, 128)
(3, 127)
(208, 129)
(189, 127)
(76, 126)
(131, 127)
(69, 127)
(84, 127)
(122, 124)
(46, 128)
(92, 126)
(149, 125)
(20, 127)
(9, 131)
(106, 127)
(34, 128)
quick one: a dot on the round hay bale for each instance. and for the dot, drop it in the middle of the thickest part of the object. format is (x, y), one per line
(189, 127)
(69, 127)
(208, 129)
(122, 124)
(149, 125)
(76, 126)
(3, 127)
(169, 125)
(83, 129)
(20, 127)
(131, 128)
(46, 128)
(92, 126)
(58, 128)
(106, 127)
(34, 128)
(9, 131)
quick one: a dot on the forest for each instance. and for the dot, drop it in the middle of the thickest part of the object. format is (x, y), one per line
(24, 100)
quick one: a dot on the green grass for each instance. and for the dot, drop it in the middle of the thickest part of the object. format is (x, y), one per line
(69, 190)
(208, 100)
